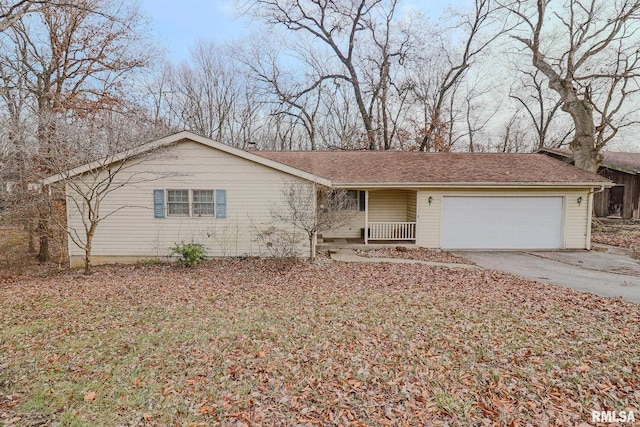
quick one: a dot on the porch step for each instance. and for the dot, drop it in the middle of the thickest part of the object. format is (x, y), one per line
(336, 244)
(331, 244)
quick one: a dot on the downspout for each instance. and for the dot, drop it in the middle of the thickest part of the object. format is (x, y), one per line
(590, 195)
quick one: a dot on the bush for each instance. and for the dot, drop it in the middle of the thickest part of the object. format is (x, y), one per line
(190, 253)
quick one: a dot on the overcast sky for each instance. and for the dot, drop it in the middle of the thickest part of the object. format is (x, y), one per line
(178, 25)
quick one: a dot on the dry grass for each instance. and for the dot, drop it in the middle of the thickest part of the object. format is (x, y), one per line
(270, 343)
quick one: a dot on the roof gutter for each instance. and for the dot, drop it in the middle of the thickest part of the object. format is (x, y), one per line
(384, 185)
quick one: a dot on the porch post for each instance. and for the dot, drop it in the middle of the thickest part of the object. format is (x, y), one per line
(415, 220)
(366, 217)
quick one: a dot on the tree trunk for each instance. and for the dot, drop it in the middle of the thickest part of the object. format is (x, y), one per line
(32, 239)
(88, 247)
(583, 145)
(43, 230)
(312, 137)
(584, 154)
(428, 142)
(45, 137)
(312, 247)
(383, 101)
(87, 258)
(366, 118)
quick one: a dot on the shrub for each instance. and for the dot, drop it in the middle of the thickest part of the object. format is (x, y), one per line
(150, 262)
(190, 253)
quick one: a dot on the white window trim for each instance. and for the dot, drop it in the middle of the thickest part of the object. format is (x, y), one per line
(190, 202)
(166, 198)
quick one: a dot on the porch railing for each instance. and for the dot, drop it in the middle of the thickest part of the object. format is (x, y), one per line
(392, 231)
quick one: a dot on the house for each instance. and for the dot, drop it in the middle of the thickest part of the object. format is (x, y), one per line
(8, 191)
(186, 187)
(623, 199)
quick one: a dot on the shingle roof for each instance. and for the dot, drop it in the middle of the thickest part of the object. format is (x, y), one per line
(628, 162)
(378, 167)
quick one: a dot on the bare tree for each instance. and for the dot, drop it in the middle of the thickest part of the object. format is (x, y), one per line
(480, 29)
(314, 209)
(295, 97)
(513, 136)
(283, 133)
(540, 108)
(588, 50)
(209, 94)
(11, 12)
(205, 90)
(390, 44)
(342, 27)
(340, 129)
(110, 144)
(476, 116)
(70, 61)
(156, 94)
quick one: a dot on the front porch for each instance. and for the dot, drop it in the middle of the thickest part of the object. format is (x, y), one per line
(390, 231)
(385, 217)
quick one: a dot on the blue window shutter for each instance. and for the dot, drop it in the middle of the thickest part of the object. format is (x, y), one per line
(221, 203)
(362, 199)
(158, 203)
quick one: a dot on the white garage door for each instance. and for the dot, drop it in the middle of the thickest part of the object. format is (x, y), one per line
(501, 223)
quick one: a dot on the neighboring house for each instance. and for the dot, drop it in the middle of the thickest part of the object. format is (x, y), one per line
(623, 199)
(8, 187)
(202, 190)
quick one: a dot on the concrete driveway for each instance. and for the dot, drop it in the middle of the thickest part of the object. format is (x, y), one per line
(613, 273)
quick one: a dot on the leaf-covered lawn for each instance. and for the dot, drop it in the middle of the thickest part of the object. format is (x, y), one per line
(422, 254)
(623, 235)
(263, 342)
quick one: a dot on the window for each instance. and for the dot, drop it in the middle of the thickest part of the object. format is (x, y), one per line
(190, 203)
(203, 203)
(352, 200)
(344, 200)
(178, 202)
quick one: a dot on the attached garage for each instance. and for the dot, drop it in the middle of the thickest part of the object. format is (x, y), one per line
(489, 201)
(476, 222)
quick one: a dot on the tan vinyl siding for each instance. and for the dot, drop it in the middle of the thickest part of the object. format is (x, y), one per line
(411, 206)
(575, 217)
(576, 221)
(388, 205)
(428, 221)
(252, 190)
(353, 230)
